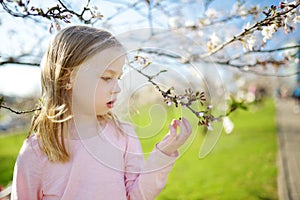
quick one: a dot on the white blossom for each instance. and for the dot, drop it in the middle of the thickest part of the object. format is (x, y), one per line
(174, 22)
(200, 114)
(99, 15)
(144, 60)
(169, 103)
(243, 13)
(200, 33)
(296, 19)
(250, 97)
(249, 43)
(215, 39)
(249, 40)
(203, 22)
(228, 125)
(246, 68)
(268, 31)
(186, 99)
(213, 42)
(189, 23)
(234, 9)
(288, 22)
(211, 13)
(209, 127)
(238, 9)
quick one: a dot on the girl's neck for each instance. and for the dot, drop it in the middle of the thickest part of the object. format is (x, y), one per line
(85, 127)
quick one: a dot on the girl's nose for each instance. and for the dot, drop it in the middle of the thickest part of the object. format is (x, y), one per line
(116, 88)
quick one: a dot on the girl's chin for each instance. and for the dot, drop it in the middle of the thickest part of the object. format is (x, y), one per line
(101, 114)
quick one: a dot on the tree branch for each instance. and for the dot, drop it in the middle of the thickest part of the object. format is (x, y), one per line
(19, 112)
(58, 12)
(271, 74)
(273, 50)
(249, 30)
(185, 100)
(228, 62)
(297, 46)
(12, 61)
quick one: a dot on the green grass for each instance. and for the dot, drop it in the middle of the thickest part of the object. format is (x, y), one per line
(9, 148)
(242, 165)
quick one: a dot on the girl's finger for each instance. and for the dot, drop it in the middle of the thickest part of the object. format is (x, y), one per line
(187, 125)
(181, 138)
(183, 128)
(185, 131)
(172, 131)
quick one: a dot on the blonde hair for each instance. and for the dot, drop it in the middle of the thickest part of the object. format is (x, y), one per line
(70, 48)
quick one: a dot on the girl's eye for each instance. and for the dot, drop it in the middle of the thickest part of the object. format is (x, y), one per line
(106, 78)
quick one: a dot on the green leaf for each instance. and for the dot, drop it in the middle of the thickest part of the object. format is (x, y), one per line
(235, 105)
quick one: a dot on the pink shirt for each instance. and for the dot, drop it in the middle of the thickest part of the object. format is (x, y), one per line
(107, 166)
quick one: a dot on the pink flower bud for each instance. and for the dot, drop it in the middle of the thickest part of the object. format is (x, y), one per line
(281, 5)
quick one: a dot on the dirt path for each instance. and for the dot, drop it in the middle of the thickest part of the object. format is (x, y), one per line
(288, 120)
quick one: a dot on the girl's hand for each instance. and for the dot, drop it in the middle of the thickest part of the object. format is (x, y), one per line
(172, 141)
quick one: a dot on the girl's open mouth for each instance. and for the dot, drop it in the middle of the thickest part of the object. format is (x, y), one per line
(110, 104)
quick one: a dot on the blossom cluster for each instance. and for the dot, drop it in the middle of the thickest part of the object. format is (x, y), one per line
(56, 14)
(195, 101)
(282, 16)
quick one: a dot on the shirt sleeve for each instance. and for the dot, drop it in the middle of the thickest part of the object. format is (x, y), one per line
(27, 175)
(145, 180)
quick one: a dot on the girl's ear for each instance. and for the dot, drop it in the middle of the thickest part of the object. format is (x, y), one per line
(68, 86)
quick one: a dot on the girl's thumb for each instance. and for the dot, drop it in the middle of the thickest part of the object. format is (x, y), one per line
(175, 123)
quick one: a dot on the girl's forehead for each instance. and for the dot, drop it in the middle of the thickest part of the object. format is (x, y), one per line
(111, 54)
(108, 58)
(116, 66)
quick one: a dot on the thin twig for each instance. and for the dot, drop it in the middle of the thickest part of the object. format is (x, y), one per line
(19, 63)
(271, 74)
(265, 51)
(19, 112)
(238, 66)
(204, 119)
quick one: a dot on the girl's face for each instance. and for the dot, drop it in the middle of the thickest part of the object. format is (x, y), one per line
(108, 86)
(96, 86)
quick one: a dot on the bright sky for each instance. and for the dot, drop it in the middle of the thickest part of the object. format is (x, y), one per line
(19, 81)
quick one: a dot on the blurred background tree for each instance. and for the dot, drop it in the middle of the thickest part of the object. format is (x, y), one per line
(239, 38)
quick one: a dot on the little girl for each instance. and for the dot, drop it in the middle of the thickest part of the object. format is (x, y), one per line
(76, 148)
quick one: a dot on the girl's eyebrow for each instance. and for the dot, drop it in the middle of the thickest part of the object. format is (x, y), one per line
(112, 72)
